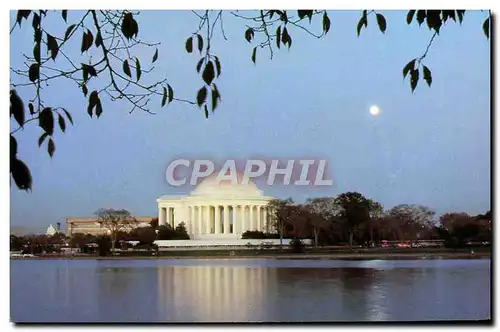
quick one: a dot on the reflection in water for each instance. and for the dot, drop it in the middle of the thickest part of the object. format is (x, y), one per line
(248, 291)
(213, 293)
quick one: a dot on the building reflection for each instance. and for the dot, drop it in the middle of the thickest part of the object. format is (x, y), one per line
(214, 293)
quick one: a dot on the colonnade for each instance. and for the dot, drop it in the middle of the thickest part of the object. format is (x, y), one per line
(218, 218)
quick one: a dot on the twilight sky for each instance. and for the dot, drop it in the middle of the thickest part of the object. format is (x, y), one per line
(431, 147)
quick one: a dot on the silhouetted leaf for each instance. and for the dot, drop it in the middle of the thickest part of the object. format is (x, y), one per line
(164, 98)
(249, 34)
(208, 73)
(486, 27)
(278, 36)
(283, 15)
(254, 54)
(62, 124)
(460, 14)
(17, 107)
(155, 56)
(206, 111)
(201, 97)
(68, 31)
(381, 22)
(84, 90)
(98, 39)
(189, 45)
(427, 76)
(98, 107)
(126, 69)
(36, 52)
(34, 72)
(326, 23)
(13, 147)
(36, 21)
(362, 21)
(21, 174)
(22, 14)
(200, 42)
(170, 93)
(31, 108)
(285, 38)
(87, 41)
(137, 69)
(41, 139)
(434, 20)
(200, 63)
(37, 35)
(217, 65)
(52, 46)
(68, 116)
(421, 16)
(93, 100)
(448, 14)
(129, 26)
(51, 147)
(409, 16)
(64, 14)
(215, 97)
(46, 121)
(409, 66)
(88, 70)
(414, 76)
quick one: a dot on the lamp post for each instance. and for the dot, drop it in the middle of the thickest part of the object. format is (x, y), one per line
(157, 231)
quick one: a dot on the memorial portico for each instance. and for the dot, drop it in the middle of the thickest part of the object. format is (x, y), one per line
(217, 209)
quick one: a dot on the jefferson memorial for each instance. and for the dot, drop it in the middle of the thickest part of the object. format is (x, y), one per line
(217, 209)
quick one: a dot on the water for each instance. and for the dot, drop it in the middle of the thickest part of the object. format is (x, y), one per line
(249, 290)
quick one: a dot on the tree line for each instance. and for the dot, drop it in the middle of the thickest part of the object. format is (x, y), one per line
(350, 218)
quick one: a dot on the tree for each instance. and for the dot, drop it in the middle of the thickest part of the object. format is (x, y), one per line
(109, 43)
(413, 220)
(57, 239)
(145, 235)
(154, 223)
(318, 212)
(17, 242)
(355, 209)
(279, 215)
(78, 240)
(166, 232)
(114, 221)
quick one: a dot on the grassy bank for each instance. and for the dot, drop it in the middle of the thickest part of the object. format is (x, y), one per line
(320, 253)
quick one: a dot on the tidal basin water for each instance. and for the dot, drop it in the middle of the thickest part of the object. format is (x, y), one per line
(249, 290)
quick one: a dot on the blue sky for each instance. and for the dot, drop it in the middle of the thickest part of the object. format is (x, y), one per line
(431, 147)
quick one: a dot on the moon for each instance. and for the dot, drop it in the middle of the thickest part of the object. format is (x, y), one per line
(374, 110)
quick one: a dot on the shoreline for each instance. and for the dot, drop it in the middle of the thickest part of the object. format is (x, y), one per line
(301, 256)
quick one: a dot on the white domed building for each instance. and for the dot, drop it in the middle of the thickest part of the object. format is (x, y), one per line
(217, 209)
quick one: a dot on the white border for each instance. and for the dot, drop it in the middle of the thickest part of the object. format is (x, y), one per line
(4, 210)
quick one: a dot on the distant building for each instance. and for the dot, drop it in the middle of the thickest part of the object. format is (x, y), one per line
(51, 230)
(92, 226)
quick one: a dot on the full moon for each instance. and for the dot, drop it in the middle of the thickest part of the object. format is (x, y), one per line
(374, 110)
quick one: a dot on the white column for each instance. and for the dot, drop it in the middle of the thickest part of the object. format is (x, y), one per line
(266, 226)
(191, 220)
(200, 218)
(167, 212)
(259, 218)
(236, 219)
(226, 219)
(161, 216)
(244, 223)
(207, 219)
(217, 220)
(252, 219)
(242, 219)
